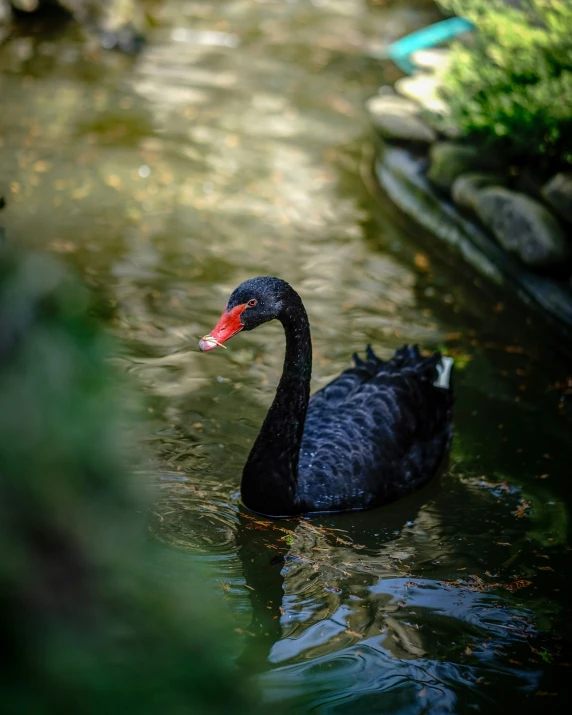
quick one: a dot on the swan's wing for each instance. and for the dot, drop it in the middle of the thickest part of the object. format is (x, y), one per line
(383, 437)
(350, 380)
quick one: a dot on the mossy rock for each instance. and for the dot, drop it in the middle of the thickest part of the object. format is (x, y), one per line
(5, 18)
(525, 227)
(448, 160)
(558, 193)
(399, 119)
(467, 187)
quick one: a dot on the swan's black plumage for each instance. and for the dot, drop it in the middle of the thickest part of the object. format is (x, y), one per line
(377, 432)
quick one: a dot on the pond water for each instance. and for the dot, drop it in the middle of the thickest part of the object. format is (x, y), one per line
(236, 145)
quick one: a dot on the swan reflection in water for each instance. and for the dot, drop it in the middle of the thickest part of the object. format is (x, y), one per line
(344, 625)
(358, 612)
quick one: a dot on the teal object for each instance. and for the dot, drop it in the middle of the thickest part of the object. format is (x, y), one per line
(402, 49)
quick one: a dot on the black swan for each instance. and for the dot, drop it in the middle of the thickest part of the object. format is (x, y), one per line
(377, 432)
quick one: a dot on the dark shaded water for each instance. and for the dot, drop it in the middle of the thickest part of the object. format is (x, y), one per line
(236, 145)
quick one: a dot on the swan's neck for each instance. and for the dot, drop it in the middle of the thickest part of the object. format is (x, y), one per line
(270, 477)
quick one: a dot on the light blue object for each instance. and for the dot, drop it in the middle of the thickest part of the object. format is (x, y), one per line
(400, 50)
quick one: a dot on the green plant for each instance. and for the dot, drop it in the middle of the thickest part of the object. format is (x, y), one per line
(511, 85)
(87, 621)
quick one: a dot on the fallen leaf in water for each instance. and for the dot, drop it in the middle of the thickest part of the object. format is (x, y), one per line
(333, 589)
(209, 507)
(517, 584)
(81, 193)
(353, 633)
(341, 105)
(62, 246)
(114, 181)
(41, 166)
(522, 508)
(422, 262)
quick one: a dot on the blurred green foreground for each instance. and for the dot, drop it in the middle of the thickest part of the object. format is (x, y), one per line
(86, 627)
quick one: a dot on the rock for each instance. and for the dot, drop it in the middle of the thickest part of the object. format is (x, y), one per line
(386, 90)
(423, 88)
(558, 193)
(448, 160)
(530, 182)
(434, 59)
(5, 18)
(25, 5)
(401, 174)
(524, 227)
(466, 187)
(398, 118)
(121, 24)
(126, 39)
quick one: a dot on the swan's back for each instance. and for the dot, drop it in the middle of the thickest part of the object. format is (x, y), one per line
(377, 432)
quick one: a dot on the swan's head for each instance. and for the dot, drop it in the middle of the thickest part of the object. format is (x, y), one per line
(254, 302)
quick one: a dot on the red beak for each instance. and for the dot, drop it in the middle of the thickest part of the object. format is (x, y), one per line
(228, 325)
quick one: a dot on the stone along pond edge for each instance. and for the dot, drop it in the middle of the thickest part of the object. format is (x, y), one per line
(518, 237)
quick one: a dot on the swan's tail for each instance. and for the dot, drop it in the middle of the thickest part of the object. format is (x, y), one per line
(406, 358)
(444, 368)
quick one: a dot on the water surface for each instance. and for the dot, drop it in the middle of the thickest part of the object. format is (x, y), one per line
(237, 145)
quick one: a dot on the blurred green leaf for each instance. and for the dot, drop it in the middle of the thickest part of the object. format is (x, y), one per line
(511, 86)
(88, 623)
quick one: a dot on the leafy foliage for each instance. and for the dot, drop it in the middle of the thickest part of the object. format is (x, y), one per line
(86, 623)
(511, 85)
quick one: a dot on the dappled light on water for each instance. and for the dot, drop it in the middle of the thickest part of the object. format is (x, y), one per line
(236, 145)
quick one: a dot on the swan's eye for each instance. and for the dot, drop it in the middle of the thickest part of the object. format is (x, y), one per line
(252, 302)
